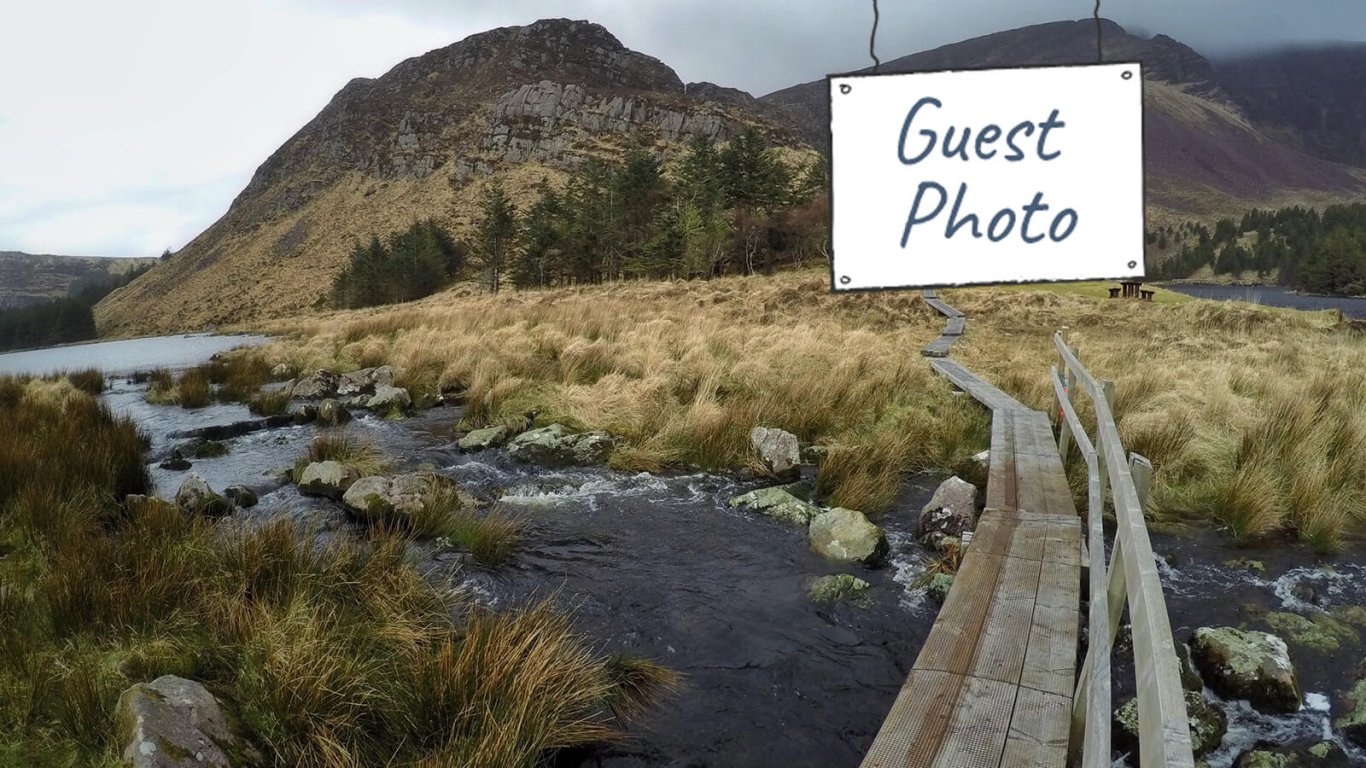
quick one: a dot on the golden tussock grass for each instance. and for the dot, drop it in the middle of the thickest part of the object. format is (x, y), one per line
(684, 370)
(328, 654)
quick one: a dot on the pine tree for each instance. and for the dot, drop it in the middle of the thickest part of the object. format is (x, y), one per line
(497, 234)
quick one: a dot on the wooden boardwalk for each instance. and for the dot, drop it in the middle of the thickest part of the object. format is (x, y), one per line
(993, 684)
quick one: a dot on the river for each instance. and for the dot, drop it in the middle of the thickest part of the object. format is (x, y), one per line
(658, 565)
(1271, 296)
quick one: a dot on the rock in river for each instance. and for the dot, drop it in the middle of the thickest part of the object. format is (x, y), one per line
(332, 413)
(172, 722)
(196, 496)
(777, 502)
(837, 587)
(951, 511)
(1208, 724)
(483, 439)
(847, 536)
(327, 478)
(777, 449)
(377, 498)
(1247, 665)
(1353, 724)
(318, 385)
(555, 445)
(391, 402)
(242, 496)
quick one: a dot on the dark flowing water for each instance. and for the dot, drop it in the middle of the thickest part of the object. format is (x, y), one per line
(1271, 296)
(659, 566)
(656, 566)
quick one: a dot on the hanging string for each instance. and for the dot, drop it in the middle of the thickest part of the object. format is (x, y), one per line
(1100, 55)
(872, 40)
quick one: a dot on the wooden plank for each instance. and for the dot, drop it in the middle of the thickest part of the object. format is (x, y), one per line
(977, 734)
(1038, 731)
(955, 326)
(952, 642)
(914, 729)
(1000, 654)
(1050, 662)
(939, 347)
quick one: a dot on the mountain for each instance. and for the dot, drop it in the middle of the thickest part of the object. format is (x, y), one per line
(514, 104)
(27, 279)
(1312, 98)
(519, 104)
(1205, 154)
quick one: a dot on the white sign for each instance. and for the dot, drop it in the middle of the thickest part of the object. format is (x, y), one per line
(986, 176)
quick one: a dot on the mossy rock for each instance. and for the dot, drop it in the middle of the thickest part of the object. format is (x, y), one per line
(1256, 566)
(1321, 633)
(938, 586)
(1350, 614)
(1353, 724)
(1248, 665)
(1208, 724)
(778, 503)
(210, 449)
(839, 587)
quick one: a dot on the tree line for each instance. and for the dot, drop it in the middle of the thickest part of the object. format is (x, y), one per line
(64, 320)
(1309, 250)
(733, 208)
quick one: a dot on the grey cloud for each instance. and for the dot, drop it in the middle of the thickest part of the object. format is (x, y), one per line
(764, 45)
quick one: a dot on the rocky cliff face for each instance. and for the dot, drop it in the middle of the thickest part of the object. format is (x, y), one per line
(26, 279)
(513, 104)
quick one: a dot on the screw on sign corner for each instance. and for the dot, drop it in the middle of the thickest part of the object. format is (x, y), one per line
(845, 88)
(844, 280)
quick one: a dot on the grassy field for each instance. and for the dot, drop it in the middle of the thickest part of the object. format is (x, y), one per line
(329, 656)
(1255, 418)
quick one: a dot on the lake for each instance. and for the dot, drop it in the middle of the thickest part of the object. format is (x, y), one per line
(125, 356)
(1271, 296)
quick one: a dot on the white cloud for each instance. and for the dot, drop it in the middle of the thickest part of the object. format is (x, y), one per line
(102, 104)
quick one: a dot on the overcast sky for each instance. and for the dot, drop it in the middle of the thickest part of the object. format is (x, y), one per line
(127, 126)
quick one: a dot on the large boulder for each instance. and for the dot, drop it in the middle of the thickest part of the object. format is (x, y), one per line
(951, 511)
(1247, 665)
(331, 413)
(556, 445)
(846, 536)
(317, 385)
(196, 496)
(1208, 724)
(390, 401)
(327, 478)
(483, 439)
(778, 450)
(779, 503)
(172, 722)
(364, 381)
(379, 498)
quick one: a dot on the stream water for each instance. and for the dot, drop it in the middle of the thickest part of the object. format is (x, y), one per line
(659, 566)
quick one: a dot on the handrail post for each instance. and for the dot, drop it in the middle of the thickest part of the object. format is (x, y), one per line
(1142, 471)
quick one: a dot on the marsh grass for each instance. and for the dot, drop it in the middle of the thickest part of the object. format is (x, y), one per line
(270, 403)
(343, 447)
(491, 536)
(328, 654)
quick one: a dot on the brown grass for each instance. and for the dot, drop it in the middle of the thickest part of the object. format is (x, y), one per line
(684, 370)
(336, 654)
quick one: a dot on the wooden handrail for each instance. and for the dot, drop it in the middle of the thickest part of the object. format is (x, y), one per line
(1164, 730)
(1090, 735)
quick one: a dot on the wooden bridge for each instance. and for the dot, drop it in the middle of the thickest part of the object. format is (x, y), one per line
(996, 683)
